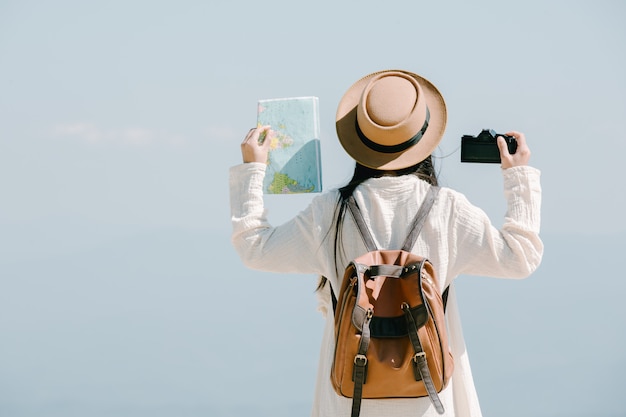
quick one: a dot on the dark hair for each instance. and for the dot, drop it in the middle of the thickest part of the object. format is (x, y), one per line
(424, 170)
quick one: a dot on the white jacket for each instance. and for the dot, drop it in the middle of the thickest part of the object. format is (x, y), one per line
(458, 238)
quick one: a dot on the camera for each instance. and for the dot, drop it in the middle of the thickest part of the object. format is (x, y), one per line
(484, 148)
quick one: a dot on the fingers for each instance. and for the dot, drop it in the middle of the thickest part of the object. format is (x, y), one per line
(248, 135)
(256, 144)
(255, 133)
(519, 136)
(504, 150)
(521, 155)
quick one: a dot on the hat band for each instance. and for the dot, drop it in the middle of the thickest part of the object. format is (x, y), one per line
(393, 148)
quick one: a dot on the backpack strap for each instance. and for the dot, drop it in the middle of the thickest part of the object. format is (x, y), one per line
(366, 235)
(420, 365)
(359, 371)
(414, 230)
(420, 218)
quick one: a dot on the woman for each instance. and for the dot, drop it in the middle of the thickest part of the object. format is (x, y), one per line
(390, 122)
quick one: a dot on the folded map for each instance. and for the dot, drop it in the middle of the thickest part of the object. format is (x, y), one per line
(294, 161)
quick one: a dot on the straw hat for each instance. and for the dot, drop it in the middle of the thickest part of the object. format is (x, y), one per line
(391, 119)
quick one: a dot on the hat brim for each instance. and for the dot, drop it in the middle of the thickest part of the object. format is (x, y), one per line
(360, 152)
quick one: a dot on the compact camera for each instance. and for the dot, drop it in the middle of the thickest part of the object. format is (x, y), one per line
(484, 148)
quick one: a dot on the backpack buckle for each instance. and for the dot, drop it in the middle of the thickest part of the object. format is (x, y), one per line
(360, 360)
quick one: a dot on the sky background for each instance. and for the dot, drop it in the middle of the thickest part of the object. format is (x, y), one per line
(120, 294)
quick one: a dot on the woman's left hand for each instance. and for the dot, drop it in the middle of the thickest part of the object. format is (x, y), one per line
(520, 157)
(253, 149)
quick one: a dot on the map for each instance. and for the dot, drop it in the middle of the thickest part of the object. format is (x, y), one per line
(294, 162)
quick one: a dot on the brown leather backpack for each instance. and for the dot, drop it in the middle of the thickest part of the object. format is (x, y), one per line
(390, 329)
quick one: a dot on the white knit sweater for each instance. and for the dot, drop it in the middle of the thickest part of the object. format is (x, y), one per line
(458, 238)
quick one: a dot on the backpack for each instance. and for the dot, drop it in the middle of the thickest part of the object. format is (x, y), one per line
(390, 331)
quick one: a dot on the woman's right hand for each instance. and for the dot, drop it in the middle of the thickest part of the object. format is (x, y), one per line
(521, 155)
(253, 150)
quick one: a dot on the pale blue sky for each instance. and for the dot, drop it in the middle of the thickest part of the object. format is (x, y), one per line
(119, 291)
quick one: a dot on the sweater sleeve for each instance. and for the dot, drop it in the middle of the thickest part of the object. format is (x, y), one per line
(515, 250)
(293, 247)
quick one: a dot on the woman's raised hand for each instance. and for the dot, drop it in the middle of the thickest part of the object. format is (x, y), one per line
(256, 145)
(521, 155)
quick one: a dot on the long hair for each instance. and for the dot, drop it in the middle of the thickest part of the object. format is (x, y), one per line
(424, 170)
